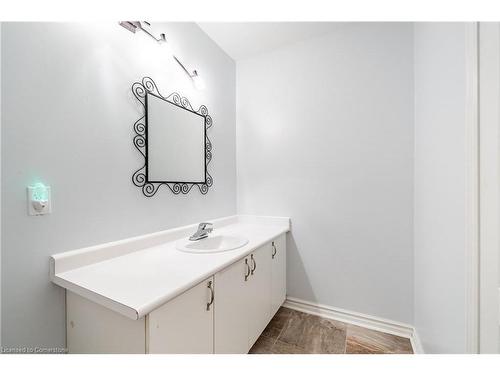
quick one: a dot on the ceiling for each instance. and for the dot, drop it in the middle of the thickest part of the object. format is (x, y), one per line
(241, 40)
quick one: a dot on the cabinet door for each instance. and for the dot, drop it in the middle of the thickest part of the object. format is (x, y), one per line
(259, 293)
(231, 305)
(185, 324)
(278, 271)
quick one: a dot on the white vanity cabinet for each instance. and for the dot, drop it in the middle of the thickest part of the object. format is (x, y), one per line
(232, 307)
(243, 302)
(259, 293)
(224, 313)
(185, 324)
(182, 325)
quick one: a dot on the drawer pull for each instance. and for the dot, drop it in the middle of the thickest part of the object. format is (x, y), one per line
(254, 264)
(212, 295)
(247, 269)
(273, 254)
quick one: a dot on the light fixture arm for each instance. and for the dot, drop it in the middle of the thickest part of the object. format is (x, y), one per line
(191, 75)
(162, 38)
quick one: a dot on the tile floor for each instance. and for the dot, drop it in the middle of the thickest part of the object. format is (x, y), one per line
(295, 332)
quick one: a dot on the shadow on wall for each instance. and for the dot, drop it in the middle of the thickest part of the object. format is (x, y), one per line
(297, 281)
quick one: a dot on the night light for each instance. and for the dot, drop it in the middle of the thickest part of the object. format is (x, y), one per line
(39, 199)
(40, 192)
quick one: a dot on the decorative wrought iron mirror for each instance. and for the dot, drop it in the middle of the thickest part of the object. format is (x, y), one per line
(172, 138)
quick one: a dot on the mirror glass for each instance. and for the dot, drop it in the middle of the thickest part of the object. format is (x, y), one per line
(175, 142)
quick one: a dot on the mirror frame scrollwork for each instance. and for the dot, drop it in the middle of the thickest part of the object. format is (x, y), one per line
(140, 140)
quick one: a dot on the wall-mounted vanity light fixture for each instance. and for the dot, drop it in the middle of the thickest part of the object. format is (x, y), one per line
(135, 26)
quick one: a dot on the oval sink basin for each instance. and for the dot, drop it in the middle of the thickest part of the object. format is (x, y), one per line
(214, 244)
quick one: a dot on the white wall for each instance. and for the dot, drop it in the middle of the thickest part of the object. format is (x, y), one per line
(0, 185)
(489, 107)
(67, 120)
(440, 186)
(325, 136)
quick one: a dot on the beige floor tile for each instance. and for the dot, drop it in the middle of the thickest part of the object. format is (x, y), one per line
(363, 340)
(322, 336)
(263, 345)
(294, 332)
(293, 328)
(284, 348)
(277, 323)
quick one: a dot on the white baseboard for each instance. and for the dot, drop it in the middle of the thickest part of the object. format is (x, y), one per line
(416, 344)
(359, 319)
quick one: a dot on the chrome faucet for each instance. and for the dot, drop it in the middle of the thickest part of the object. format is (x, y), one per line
(203, 230)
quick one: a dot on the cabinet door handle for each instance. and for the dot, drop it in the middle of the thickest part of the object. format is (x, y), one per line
(254, 264)
(247, 269)
(273, 254)
(212, 295)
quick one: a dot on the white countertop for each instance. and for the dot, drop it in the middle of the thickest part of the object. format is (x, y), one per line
(133, 277)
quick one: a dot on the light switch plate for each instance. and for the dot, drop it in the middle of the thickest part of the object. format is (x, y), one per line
(31, 208)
